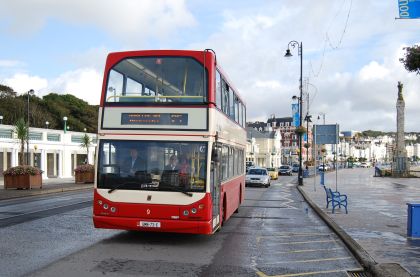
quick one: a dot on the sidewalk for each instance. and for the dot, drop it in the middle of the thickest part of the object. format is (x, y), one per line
(51, 185)
(377, 218)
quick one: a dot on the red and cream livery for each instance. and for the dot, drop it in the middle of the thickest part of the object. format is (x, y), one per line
(171, 148)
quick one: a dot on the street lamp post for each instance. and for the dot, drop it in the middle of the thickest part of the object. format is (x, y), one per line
(31, 91)
(293, 44)
(47, 124)
(1, 119)
(65, 124)
(307, 119)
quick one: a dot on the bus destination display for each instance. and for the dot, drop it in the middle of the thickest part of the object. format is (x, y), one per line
(154, 119)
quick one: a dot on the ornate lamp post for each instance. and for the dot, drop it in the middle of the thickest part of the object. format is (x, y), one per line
(293, 44)
(65, 124)
(31, 91)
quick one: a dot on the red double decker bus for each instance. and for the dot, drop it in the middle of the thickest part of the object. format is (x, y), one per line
(171, 147)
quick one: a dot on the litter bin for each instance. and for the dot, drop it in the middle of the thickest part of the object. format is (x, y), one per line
(306, 173)
(413, 220)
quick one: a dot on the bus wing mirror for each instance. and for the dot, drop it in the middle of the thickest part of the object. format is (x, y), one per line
(215, 156)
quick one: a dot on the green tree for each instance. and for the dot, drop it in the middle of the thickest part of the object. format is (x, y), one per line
(86, 143)
(21, 130)
(411, 59)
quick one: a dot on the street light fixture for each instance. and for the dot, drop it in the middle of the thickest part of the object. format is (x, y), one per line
(47, 123)
(30, 92)
(1, 119)
(288, 54)
(323, 117)
(65, 124)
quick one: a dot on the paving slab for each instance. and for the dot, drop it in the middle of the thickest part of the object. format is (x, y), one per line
(51, 185)
(377, 214)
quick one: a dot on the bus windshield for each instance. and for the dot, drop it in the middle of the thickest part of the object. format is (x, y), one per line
(157, 79)
(152, 165)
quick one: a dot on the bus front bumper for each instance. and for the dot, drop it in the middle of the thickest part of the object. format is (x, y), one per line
(153, 225)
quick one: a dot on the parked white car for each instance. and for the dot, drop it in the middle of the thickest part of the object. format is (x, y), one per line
(324, 167)
(258, 177)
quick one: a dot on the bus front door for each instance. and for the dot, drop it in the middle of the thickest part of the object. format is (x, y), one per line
(215, 187)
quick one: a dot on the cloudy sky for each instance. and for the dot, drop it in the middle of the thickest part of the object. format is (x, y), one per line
(351, 50)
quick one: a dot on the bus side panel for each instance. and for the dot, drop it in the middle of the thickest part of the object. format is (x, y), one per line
(232, 192)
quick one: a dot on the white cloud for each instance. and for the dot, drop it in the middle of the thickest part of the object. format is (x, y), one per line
(356, 86)
(373, 71)
(22, 82)
(128, 20)
(84, 83)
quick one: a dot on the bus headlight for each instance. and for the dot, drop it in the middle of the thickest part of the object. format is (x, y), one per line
(193, 210)
(186, 212)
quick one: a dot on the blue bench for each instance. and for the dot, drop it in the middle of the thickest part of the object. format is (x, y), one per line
(335, 198)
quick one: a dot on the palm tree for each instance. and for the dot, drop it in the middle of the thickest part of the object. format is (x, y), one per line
(86, 143)
(21, 130)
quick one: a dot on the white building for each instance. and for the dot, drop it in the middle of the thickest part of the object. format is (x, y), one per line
(264, 148)
(55, 152)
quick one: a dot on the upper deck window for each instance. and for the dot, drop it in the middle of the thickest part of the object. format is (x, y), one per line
(157, 79)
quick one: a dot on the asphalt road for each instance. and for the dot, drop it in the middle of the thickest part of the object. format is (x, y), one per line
(275, 233)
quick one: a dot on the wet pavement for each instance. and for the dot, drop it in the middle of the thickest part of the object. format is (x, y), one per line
(275, 233)
(377, 213)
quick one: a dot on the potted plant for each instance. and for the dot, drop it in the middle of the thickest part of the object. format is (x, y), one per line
(300, 130)
(22, 177)
(84, 173)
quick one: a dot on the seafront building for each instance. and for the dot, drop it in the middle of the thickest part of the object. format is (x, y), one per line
(55, 152)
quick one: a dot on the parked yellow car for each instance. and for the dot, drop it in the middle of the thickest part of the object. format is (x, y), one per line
(274, 175)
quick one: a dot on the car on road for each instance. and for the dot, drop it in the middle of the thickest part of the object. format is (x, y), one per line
(258, 177)
(285, 170)
(364, 165)
(295, 167)
(274, 175)
(324, 167)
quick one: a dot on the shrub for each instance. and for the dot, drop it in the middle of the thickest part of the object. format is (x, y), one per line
(84, 168)
(22, 170)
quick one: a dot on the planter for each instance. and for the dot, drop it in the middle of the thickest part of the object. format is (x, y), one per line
(25, 181)
(84, 177)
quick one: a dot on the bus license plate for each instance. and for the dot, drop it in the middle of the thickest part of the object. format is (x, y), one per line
(149, 224)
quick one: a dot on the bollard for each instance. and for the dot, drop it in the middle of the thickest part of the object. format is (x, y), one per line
(321, 174)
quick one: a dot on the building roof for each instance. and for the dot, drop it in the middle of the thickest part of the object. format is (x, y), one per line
(253, 133)
(256, 124)
(279, 119)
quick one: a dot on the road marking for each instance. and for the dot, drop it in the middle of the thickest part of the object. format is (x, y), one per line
(311, 261)
(290, 235)
(261, 274)
(303, 242)
(309, 250)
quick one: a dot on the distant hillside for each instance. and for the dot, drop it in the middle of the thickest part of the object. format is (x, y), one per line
(52, 108)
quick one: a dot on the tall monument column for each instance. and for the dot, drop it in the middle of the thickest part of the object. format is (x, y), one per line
(400, 165)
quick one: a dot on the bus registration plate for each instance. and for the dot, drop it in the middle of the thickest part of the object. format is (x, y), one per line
(149, 224)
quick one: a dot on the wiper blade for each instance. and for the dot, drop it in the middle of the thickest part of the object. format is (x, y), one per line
(177, 190)
(122, 185)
